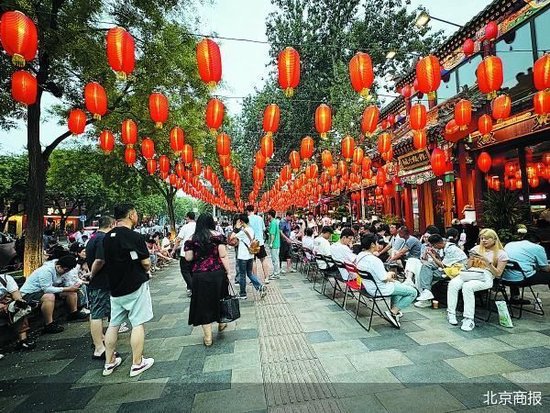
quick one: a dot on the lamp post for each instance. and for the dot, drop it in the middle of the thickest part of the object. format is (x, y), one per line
(424, 18)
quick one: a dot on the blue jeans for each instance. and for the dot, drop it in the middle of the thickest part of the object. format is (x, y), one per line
(403, 295)
(245, 269)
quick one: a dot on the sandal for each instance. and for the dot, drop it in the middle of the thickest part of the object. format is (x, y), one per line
(207, 343)
(221, 327)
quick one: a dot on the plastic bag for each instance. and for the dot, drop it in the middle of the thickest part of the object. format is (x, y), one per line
(504, 318)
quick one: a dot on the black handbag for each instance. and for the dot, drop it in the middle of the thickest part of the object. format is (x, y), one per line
(230, 310)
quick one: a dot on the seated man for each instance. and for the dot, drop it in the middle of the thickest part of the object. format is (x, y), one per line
(321, 246)
(532, 259)
(341, 251)
(410, 248)
(440, 255)
(43, 285)
(308, 242)
(14, 309)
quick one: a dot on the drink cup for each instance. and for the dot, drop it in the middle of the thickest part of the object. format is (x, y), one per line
(435, 304)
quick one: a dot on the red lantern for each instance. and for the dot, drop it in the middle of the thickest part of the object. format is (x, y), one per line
(266, 146)
(490, 76)
(541, 104)
(387, 156)
(420, 139)
(358, 155)
(391, 119)
(385, 124)
(158, 109)
(484, 162)
(95, 99)
(106, 141)
(260, 160)
(196, 167)
(272, 116)
(369, 121)
(120, 51)
(451, 127)
(294, 159)
(342, 168)
(129, 132)
(225, 160)
(491, 31)
(384, 142)
(130, 156)
(323, 120)
(428, 74)
(438, 161)
(541, 73)
(361, 74)
(502, 107)
(223, 144)
(326, 158)
(258, 174)
(24, 87)
(209, 62)
(348, 146)
(286, 173)
(485, 125)
(468, 47)
(533, 182)
(381, 177)
(77, 121)
(289, 70)
(306, 148)
(406, 91)
(366, 164)
(151, 166)
(177, 140)
(164, 164)
(187, 154)
(312, 171)
(463, 114)
(19, 37)
(214, 114)
(418, 116)
(147, 148)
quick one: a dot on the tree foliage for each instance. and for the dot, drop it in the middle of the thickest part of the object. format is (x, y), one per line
(327, 33)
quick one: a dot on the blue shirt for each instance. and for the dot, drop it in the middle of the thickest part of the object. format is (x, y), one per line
(257, 224)
(528, 255)
(44, 279)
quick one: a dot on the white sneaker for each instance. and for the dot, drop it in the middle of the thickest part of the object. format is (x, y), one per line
(108, 368)
(145, 364)
(394, 320)
(263, 291)
(423, 304)
(425, 295)
(451, 318)
(467, 324)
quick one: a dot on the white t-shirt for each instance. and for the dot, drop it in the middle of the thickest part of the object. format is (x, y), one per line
(367, 262)
(244, 243)
(342, 253)
(185, 234)
(321, 246)
(502, 256)
(326, 221)
(308, 242)
(11, 285)
(165, 243)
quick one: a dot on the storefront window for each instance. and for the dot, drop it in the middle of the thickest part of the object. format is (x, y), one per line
(542, 28)
(537, 159)
(467, 72)
(516, 52)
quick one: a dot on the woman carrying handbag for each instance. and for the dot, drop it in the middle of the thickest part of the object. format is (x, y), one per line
(210, 267)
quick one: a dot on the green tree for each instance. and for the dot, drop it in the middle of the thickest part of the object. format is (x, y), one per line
(327, 33)
(13, 186)
(72, 53)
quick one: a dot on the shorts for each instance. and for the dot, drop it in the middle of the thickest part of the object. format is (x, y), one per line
(136, 307)
(100, 303)
(262, 253)
(36, 296)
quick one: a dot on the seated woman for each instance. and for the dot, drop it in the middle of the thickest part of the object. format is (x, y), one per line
(402, 295)
(486, 261)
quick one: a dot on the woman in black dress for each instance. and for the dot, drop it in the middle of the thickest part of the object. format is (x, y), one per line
(207, 250)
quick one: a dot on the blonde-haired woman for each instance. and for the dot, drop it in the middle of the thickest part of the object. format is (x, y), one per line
(487, 261)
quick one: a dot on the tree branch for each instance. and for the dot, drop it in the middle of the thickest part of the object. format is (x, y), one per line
(49, 149)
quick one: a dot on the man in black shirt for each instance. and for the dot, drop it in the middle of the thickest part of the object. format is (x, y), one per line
(127, 264)
(98, 289)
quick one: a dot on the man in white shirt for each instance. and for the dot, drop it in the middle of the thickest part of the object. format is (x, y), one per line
(341, 251)
(327, 222)
(308, 242)
(258, 226)
(186, 232)
(321, 246)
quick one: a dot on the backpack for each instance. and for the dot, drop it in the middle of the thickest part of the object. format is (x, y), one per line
(254, 246)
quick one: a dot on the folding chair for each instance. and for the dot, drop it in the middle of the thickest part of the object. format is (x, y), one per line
(364, 298)
(328, 272)
(338, 282)
(496, 289)
(514, 265)
(309, 262)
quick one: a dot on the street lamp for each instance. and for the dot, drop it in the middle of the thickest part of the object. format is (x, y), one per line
(424, 18)
(391, 54)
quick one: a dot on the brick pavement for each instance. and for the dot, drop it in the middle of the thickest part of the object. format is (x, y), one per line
(295, 350)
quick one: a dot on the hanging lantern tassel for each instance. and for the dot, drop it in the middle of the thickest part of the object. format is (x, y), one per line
(97, 116)
(18, 60)
(289, 92)
(158, 125)
(365, 93)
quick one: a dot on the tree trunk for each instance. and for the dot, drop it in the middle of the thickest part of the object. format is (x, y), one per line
(37, 189)
(169, 196)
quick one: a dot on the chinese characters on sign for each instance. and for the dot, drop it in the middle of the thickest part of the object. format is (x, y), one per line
(414, 160)
(513, 398)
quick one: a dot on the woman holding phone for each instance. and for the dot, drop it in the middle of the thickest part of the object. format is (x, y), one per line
(487, 261)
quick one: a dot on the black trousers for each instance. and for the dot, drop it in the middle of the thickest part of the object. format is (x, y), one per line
(185, 268)
(539, 278)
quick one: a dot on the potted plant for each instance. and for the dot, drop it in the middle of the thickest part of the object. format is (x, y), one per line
(504, 212)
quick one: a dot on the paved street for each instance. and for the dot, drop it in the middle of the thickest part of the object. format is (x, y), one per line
(293, 351)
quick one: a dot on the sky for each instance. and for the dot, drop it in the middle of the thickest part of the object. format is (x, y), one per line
(244, 64)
